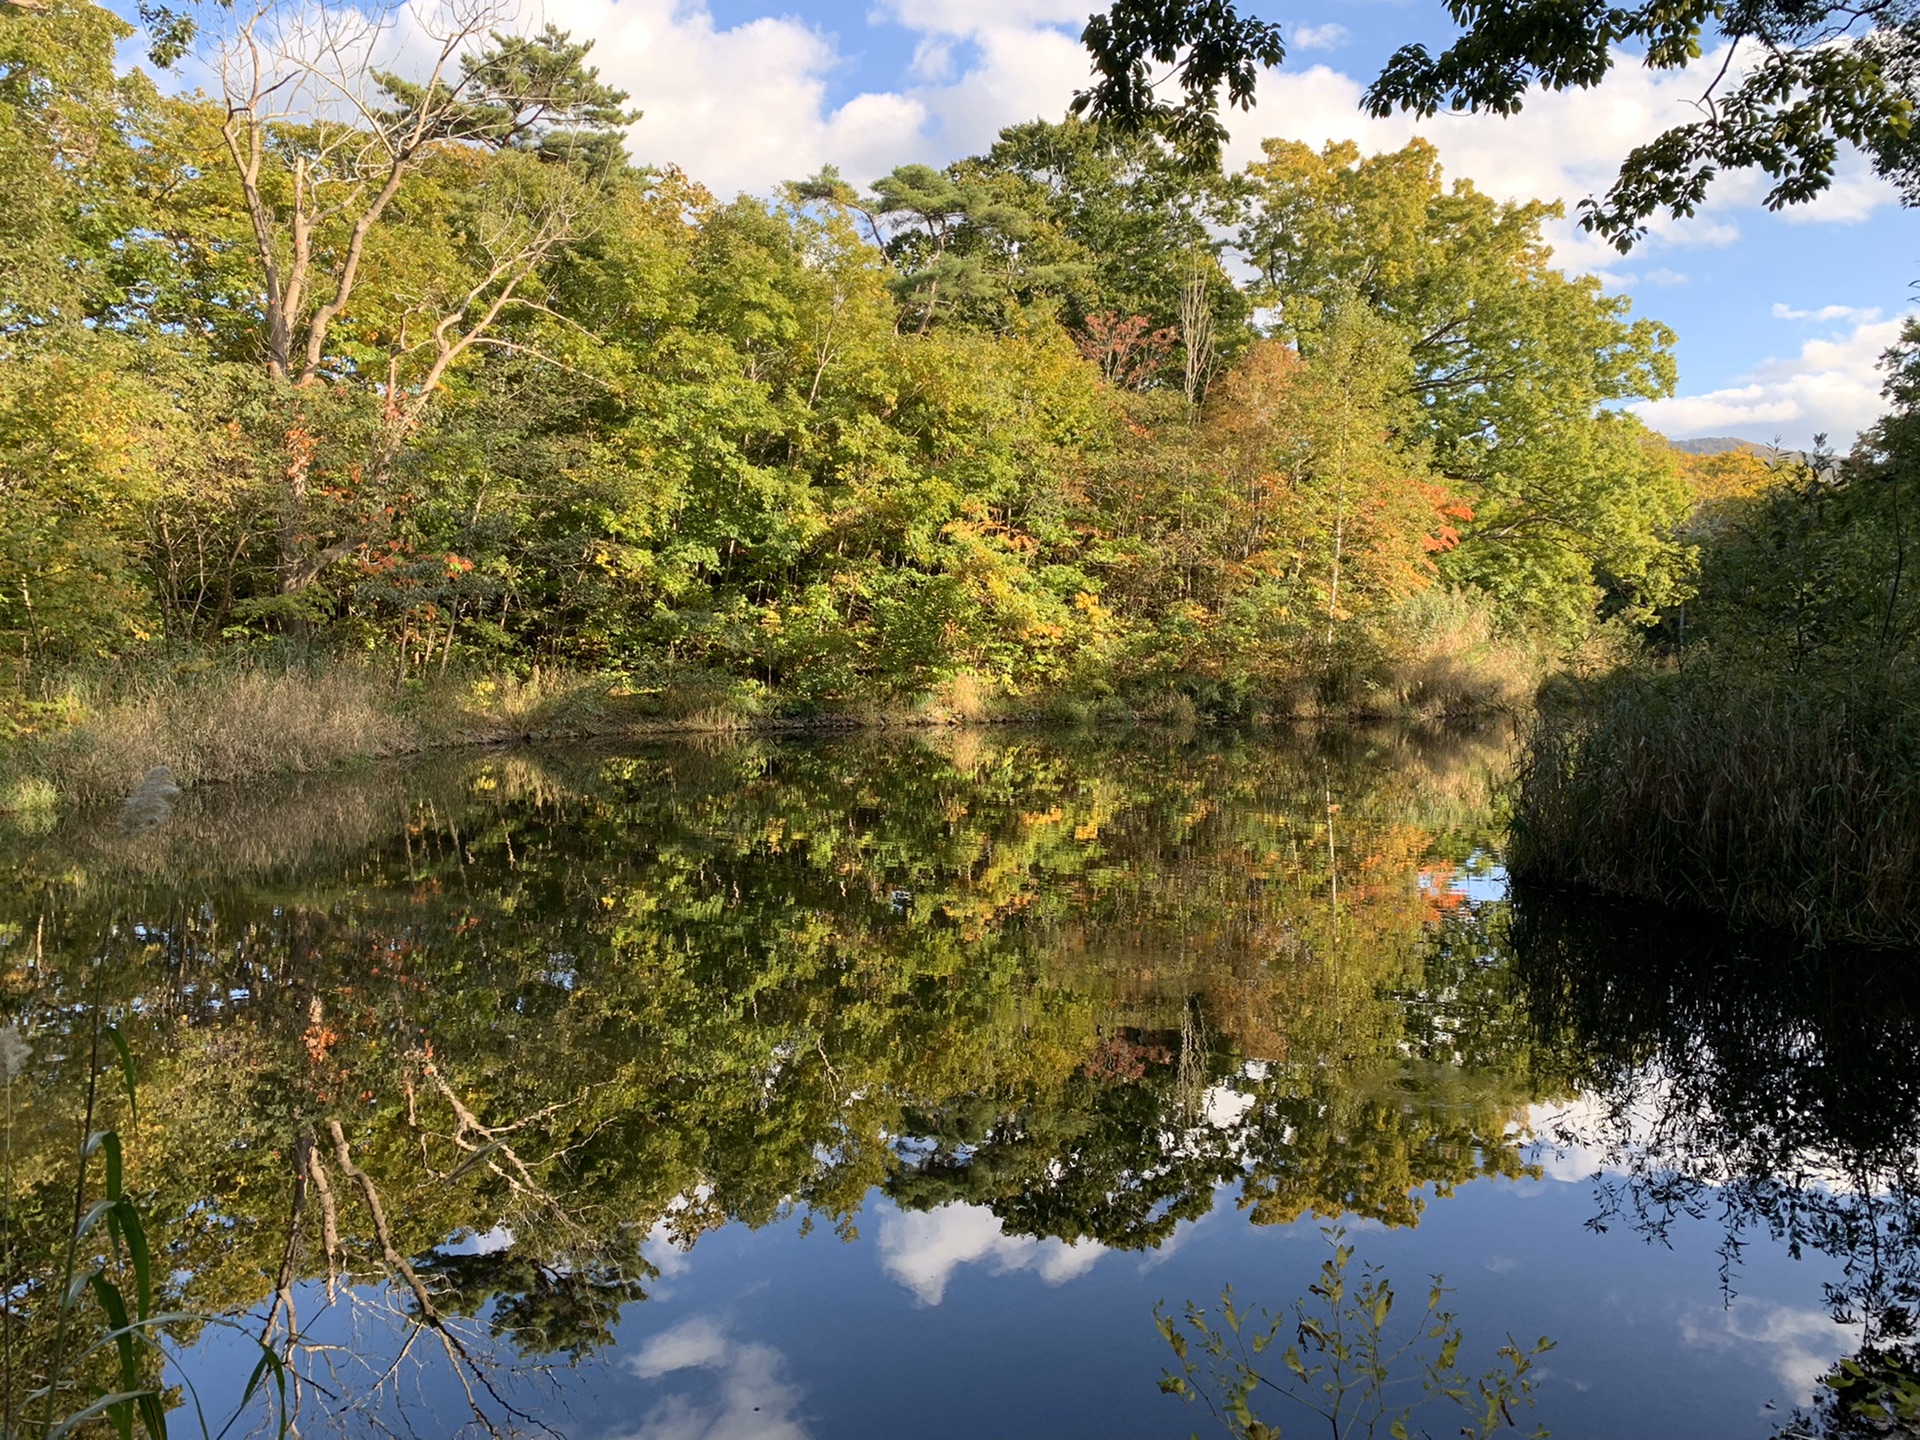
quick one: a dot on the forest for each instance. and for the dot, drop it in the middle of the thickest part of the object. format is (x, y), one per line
(346, 412)
(362, 398)
(453, 389)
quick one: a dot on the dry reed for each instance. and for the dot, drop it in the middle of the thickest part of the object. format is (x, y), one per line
(97, 735)
(1770, 805)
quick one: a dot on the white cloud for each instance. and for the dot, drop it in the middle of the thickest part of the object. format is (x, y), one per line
(1320, 37)
(1832, 385)
(1225, 1107)
(1660, 277)
(1856, 192)
(698, 1343)
(922, 1249)
(1019, 73)
(491, 1242)
(739, 107)
(932, 60)
(1826, 313)
(662, 1253)
(1569, 1141)
(1799, 1346)
(751, 1397)
(976, 17)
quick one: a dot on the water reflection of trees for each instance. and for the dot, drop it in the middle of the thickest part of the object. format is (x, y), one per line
(565, 1005)
(1769, 1090)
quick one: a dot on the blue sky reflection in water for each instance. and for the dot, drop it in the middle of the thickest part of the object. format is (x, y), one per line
(774, 1335)
(975, 1334)
(939, 1159)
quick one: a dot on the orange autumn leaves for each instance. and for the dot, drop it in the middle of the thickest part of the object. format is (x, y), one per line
(1291, 518)
(1333, 495)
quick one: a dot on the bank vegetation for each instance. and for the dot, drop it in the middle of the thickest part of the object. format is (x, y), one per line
(347, 412)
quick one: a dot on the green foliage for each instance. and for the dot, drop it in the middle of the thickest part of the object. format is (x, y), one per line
(1515, 367)
(1829, 75)
(529, 92)
(1762, 762)
(1344, 1364)
(76, 473)
(1137, 219)
(65, 164)
(1874, 1392)
(1210, 46)
(453, 385)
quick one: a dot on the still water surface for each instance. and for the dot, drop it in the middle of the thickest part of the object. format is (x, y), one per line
(882, 1085)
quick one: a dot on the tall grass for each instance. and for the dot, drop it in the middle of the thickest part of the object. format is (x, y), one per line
(1452, 661)
(1773, 802)
(89, 736)
(86, 737)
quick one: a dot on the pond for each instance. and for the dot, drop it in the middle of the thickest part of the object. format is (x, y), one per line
(857, 1086)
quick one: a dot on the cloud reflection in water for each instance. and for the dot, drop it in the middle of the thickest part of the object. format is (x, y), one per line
(752, 1398)
(922, 1249)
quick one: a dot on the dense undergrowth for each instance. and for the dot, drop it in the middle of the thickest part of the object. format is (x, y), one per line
(1762, 758)
(211, 718)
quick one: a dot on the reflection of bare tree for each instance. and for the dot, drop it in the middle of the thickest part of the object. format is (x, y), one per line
(490, 1146)
(429, 1297)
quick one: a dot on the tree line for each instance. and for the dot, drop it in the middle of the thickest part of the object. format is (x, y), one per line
(423, 368)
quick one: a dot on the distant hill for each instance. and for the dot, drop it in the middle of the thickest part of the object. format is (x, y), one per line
(1721, 444)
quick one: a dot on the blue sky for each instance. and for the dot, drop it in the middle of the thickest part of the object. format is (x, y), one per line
(1780, 318)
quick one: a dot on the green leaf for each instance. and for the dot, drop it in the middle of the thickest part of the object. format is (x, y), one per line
(119, 1043)
(134, 1232)
(104, 1405)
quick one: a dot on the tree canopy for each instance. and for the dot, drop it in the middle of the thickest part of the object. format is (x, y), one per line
(439, 379)
(1799, 82)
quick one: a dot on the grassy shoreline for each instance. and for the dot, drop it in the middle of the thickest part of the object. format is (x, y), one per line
(92, 737)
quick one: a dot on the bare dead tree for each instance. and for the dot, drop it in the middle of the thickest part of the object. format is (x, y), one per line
(1196, 334)
(317, 144)
(322, 140)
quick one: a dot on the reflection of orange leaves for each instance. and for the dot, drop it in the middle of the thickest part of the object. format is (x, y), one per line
(319, 1039)
(1437, 886)
(1118, 1058)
